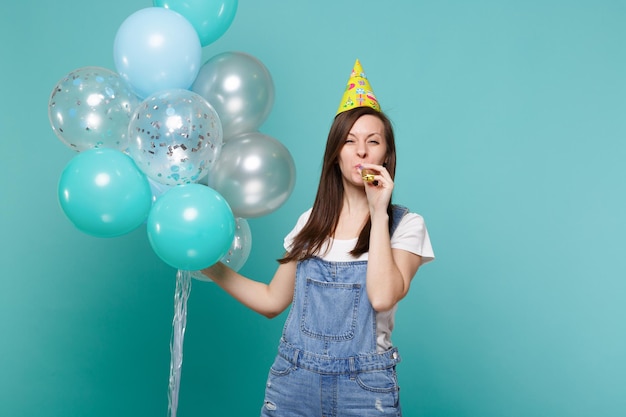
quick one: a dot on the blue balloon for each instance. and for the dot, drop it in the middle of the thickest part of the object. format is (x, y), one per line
(103, 193)
(157, 49)
(210, 18)
(191, 227)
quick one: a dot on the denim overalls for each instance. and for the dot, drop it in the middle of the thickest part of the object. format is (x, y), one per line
(327, 363)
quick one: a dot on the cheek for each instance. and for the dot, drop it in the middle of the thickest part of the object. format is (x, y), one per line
(382, 158)
(342, 158)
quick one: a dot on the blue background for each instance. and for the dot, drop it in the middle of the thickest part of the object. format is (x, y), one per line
(511, 127)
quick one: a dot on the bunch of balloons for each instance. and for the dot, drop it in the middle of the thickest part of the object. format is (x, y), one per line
(169, 142)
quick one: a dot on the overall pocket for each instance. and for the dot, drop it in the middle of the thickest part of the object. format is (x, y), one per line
(381, 385)
(281, 366)
(330, 309)
(384, 380)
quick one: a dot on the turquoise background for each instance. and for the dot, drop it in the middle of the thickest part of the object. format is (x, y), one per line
(511, 129)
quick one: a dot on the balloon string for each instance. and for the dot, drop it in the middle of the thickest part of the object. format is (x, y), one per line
(181, 295)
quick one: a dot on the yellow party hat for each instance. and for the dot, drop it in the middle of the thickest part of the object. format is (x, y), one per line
(358, 91)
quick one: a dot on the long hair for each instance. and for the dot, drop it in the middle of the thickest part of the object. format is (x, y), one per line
(329, 199)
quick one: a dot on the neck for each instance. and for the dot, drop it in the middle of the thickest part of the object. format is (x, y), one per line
(354, 202)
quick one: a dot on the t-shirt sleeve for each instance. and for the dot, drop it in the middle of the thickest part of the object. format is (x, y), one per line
(411, 235)
(288, 241)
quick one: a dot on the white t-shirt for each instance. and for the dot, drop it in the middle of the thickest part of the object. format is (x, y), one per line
(411, 235)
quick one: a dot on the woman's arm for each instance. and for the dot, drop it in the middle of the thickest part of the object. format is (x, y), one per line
(267, 299)
(389, 271)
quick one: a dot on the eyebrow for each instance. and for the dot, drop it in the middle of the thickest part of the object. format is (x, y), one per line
(369, 135)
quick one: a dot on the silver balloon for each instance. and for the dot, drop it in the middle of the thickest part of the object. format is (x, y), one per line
(91, 108)
(255, 173)
(175, 136)
(240, 88)
(239, 251)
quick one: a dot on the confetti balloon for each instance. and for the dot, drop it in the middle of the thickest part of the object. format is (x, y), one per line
(239, 250)
(90, 108)
(175, 136)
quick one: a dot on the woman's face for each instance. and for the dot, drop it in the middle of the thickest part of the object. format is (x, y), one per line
(364, 144)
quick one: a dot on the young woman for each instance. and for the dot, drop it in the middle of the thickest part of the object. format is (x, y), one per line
(349, 260)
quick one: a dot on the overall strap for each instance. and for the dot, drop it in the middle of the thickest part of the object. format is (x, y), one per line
(397, 213)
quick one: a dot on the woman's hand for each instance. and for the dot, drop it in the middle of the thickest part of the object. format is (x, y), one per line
(379, 189)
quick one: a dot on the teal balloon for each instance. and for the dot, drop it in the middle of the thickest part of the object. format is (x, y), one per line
(191, 227)
(210, 18)
(157, 49)
(103, 193)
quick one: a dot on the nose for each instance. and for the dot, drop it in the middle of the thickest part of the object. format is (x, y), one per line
(361, 150)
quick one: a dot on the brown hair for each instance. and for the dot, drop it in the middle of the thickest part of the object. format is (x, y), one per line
(329, 199)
